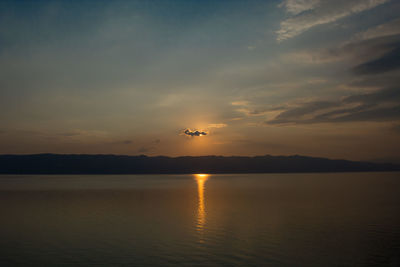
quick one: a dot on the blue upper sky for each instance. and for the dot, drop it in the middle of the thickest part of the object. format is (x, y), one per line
(312, 77)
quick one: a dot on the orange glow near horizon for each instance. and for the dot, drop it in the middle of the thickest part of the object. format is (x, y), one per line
(199, 145)
(201, 210)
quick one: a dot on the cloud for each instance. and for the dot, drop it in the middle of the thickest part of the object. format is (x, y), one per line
(382, 46)
(374, 56)
(217, 125)
(194, 132)
(388, 62)
(389, 79)
(252, 112)
(382, 105)
(295, 7)
(382, 30)
(249, 109)
(389, 95)
(297, 113)
(240, 103)
(356, 51)
(308, 13)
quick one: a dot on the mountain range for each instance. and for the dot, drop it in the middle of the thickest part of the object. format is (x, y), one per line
(121, 164)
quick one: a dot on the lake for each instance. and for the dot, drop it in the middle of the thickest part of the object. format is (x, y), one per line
(319, 219)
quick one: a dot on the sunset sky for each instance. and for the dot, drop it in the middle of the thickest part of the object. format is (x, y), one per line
(308, 77)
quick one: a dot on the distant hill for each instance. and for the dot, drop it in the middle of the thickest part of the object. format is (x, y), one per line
(116, 164)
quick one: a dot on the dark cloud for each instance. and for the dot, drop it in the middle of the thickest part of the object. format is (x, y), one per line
(379, 68)
(340, 112)
(391, 79)
(359, 51)
(382, 105)
(305, 109)
(388, 62)
(384, 95)
(376, 114)
(374, 55)
(194, 133)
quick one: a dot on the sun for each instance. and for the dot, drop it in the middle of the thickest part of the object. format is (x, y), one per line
(201, 176)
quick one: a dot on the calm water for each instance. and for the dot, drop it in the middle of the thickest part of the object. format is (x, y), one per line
(345, 219)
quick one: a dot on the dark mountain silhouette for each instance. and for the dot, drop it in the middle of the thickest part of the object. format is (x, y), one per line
(118, 164)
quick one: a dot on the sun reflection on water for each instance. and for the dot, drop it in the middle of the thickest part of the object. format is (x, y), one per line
(201, 210)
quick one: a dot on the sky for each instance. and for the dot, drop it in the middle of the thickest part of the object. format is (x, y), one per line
(190, 77)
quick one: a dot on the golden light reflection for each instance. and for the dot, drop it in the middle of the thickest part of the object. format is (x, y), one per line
(201, 210)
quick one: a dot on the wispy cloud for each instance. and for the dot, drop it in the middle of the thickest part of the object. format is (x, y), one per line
(382, 105)
(307, 14)
(240, 103)
(295, 7)
(385, 29)
(365, 46)
(217, 125)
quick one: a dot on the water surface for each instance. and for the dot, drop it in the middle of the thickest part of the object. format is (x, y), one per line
(342, 219)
